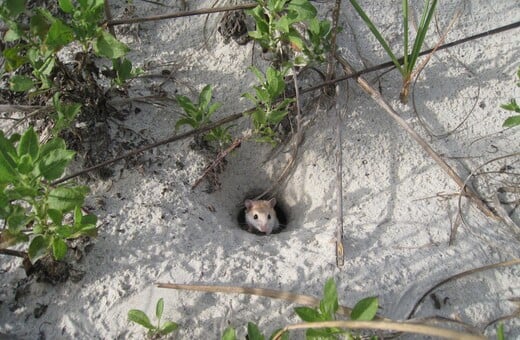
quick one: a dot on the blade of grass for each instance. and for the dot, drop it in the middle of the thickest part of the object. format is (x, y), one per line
(405, 33)
(378, 35)
(421, 34)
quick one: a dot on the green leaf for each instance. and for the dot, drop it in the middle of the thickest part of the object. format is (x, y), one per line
(168, 327)
(7, 164)
(500, 331)
(55, 215)
(65, 199)
(19, 83)
(512, 121)
(322, 333)
(229, 334)
(276, 116)
(14, 57)
(7, 148)
(296, 41)
(213, 107)
(12, 35)
(365, 309)
(329, 303)
(59, 35)
(308, 314)
(205, 96)
(53, 164)
(25, 164)
(29, 144)
(378, 35)
(123, 68)
(53, 144)
(511, 106)
(38, 248)
(139, 317)
(253, 333)
(59, 248)
(105, 45)
(283, 24)
(187, 105)
(15, 7)
(186, 121)
(17, 219)
(38, 25)
(66, 6)
(303, 9)
(159, 308)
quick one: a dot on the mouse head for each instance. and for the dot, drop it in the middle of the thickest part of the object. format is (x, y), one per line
(261, 215)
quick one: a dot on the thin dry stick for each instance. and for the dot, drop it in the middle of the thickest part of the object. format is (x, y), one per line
(429, 150)
(220, 157)
(108, 17)
(179, 14)
(460, 275)
(340, 252)
(383, 325)
(154, 145)
(270, 293)
(464, 189)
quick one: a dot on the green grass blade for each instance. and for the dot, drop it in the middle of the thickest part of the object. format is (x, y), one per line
(405, 33)
(421, 32)
(377, 34)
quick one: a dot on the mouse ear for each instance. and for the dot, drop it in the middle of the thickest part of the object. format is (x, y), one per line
(248, 204)
(272, 202)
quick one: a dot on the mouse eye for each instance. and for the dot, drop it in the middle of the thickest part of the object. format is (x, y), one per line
(269, 216)
(255, 217)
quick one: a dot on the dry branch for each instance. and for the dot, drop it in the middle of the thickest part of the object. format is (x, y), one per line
(381, 101)
(171, 139)
(116, 22)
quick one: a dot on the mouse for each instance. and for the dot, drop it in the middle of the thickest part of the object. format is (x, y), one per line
(260, 215)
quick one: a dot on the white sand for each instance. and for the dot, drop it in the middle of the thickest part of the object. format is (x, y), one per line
(399, 206)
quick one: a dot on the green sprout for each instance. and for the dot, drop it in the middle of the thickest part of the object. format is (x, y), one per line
(154, 331)
(410, 57)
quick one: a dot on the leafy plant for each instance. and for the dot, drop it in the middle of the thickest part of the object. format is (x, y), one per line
(124, 71)
(269, 109)
(253, 333)
(65, 113)
(276, 31)
(33, 210)
(365, 309)
(410, 57)
(140, 317)
(38, 44)
(514, 107)
(199, 114)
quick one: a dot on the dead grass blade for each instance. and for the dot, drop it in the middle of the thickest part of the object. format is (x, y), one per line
(460, 275)
(380, 100)
(384, 325)
(269, 293)
(178, 14)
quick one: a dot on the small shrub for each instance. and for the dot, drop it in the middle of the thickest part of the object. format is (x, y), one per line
(269, 109)
(34, 211)
(199, 114)
(513, 106)
(140, 317)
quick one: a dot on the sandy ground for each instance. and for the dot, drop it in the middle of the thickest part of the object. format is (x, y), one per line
(399, 206)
